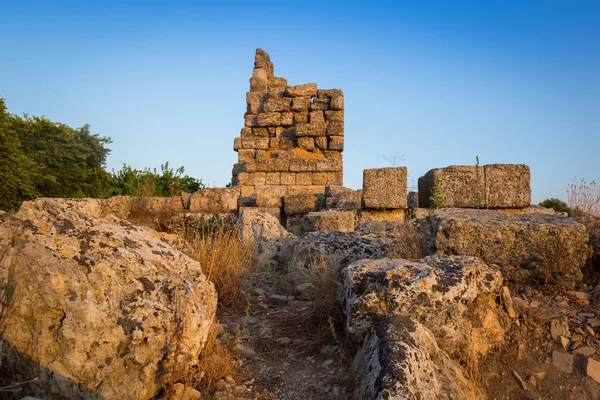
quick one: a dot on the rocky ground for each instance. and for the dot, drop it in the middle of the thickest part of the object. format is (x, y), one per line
(282, 357)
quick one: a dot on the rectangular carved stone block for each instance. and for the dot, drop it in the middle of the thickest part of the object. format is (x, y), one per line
(334, 116)
(287, 119)
(257, 143)
(328, 165)
(304, 178)
(332, 154)
(257, 178)
(330, 220)
(460, 186)
(237, 143)
(262, 132)
(329, 93)
(278, 165)
(321, 104)
(336, 143)
(337, 103)
(301, 203)
(273, 178)
(307, 90)
(307, 143)
(288, 178)
(316, 117)
(246, 132)
(300, 165)
(321, 142)
(316, 129)
(301, 104)
(270, 195)
(300, 118)
(335, 128)
(246, 190)
(385, 188)
(342, 198)
(507, 185)
(215, 200)
(313, 189)
(246, 155)
(268, 119)
(274, 142)
(278, 104)
(254, 99)
(250, 120)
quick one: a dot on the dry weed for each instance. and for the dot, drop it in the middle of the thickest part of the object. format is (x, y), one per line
(323, 322)
(406, 242)
(584, 201)
(226, 260)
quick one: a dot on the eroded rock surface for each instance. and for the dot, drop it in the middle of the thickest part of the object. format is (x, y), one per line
(527, 247)
(101, 306)
(264, 230)
(400, 359)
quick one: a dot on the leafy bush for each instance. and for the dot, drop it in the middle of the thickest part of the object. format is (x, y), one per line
(556, 204)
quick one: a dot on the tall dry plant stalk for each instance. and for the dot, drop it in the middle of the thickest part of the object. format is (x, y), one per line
(584, 201)
(407, 242)
(226, 260)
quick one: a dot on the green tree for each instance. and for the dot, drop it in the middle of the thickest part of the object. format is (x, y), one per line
(556, 204)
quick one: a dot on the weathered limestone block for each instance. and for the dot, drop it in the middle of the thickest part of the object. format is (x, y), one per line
(303, 165)
(312, 189)
(336, 143)
(327, 178)
(446, 294)
(304, 178)
(330, 220)
(507, 186)
(273, 178)
(454, 186)
(301, 104)
(268, 119)
(316, 117)
(334, 116)
(329, 93)
(287, 119)
(387, 217)
(321, 142)
(288, 178)
(300, 118)
(527, 247)
(335, 128)
(246, 155)
(215, 200)
(328, 165)
(256, 143)
(400, 359)
(319, 104)
(337, 102)
(262, 132)
(253, 100)
(311, 129)
(307, 143)
(342, 198)
(259, 80)
(237, 143)
(385, 188)
(270, 195)
(301, 203)
(293, 224)
(260, 227)
(306, 90)
(250, 120)
(96, 308)
(148, 209)
(277, 82)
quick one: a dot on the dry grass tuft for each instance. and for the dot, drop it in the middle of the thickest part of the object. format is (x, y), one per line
(226, 260)
(407, 242)
(323, 323)
(584, 201)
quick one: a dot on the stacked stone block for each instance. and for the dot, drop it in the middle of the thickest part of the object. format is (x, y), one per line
(493, 186)
(384, 195)
(293, 136)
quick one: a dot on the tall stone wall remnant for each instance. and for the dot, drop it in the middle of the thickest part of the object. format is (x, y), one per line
(293, 136)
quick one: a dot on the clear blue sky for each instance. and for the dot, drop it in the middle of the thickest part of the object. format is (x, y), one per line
(437, 81)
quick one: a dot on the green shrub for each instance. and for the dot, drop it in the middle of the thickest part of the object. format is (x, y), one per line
(556, 204)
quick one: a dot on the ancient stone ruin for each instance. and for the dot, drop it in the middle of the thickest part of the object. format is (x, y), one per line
(423, 276)
(293, 136)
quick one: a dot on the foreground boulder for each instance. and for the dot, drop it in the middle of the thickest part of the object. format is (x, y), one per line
(101, 306)
(437, 291)
(415, 319)
(527, 247)
(400, 359)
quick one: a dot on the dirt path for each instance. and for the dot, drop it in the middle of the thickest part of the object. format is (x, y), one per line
(283, 355)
